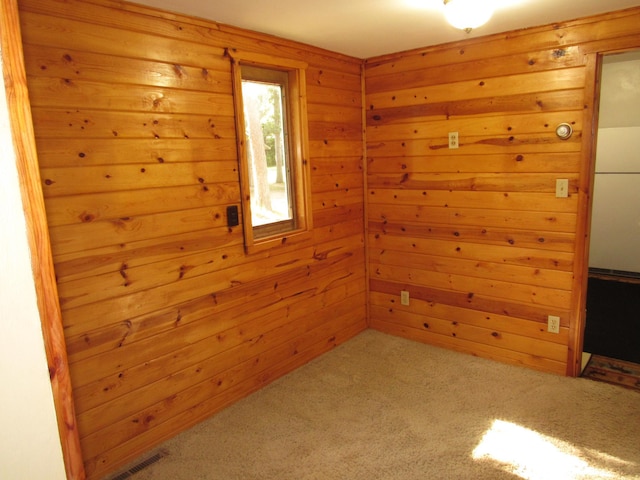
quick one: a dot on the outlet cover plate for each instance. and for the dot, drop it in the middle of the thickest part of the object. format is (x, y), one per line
(453, 140)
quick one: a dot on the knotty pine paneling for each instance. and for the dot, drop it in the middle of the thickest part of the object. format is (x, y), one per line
(476, 234)
(166, 319)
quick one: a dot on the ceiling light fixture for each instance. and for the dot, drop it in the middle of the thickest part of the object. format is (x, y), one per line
(467, 14)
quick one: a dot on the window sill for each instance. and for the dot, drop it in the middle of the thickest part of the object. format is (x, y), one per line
(298, 238)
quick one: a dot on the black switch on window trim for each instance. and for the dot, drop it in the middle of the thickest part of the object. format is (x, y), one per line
(232, 216)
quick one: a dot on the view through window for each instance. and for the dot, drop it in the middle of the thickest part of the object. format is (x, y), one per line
(264, 94)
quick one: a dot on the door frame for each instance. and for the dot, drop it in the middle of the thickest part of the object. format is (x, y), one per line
(593, 75)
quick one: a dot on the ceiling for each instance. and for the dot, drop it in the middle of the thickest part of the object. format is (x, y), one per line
(368, 28)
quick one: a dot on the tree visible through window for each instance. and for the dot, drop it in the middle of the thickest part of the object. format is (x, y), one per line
(264, 93)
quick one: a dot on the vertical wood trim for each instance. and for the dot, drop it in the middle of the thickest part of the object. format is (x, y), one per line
(365, 184)
(38, 236)
(236, 82)
(585, 192)
(303, 175)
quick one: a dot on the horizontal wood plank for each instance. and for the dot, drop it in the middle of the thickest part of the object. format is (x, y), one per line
(554, 241)
(76, 123)
(419, 74)
(48, 63)
(514, 274)
(116, 178)
(519, 103)
(494, 163)
(546, 81)
(64, 94)
(507, 252)
(91, 152)
(92, 207)
(515, 199)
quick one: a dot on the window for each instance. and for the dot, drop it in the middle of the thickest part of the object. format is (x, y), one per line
(272, 149)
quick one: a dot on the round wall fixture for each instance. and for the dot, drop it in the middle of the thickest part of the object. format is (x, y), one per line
(564, 131)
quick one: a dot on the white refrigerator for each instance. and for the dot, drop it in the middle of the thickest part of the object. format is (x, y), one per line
(615, 221)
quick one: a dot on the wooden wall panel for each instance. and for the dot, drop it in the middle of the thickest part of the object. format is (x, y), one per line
(166, 319)
(476, 234)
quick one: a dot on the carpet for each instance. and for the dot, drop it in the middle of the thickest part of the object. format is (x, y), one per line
(616, 372)
(380, 407)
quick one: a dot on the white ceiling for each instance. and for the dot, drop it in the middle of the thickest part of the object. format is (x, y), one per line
(367, 28)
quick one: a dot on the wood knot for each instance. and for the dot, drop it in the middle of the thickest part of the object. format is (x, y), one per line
(178, 69)
(86, 217)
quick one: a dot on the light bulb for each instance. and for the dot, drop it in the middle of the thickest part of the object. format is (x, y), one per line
(467, 14)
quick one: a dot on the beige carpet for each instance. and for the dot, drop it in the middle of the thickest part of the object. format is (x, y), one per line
(381, 407)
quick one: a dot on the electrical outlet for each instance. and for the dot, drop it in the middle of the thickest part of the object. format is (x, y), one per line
(553, 324)
(453, 140)
(404, 297)
(562, 187)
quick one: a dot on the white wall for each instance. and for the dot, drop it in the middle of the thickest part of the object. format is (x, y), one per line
(29, 441)
(615, 230)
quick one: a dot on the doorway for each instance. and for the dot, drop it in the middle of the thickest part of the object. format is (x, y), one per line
(612, 327)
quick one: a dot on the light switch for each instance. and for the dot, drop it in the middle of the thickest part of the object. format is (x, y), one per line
(232, 216)
(562, 187)
(404, 297)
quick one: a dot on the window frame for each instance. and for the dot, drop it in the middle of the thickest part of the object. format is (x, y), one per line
(259, 238)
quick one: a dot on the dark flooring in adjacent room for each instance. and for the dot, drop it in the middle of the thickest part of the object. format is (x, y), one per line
(615, 372)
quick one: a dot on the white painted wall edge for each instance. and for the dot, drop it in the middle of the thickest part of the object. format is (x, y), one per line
(30, 443)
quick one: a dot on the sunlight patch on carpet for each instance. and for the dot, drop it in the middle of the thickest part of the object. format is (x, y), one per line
(533, 456)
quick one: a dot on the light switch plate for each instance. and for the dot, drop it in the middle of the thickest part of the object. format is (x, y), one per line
(562, 187)
(404, 297)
